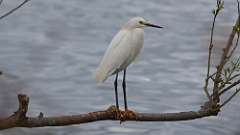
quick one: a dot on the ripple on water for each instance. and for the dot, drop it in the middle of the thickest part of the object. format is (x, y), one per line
(52, 58)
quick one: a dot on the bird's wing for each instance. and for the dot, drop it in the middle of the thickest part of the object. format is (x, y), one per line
(113, 57)
(116, 41)
(118, 52)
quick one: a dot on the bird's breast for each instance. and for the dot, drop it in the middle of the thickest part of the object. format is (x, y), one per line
(137, 42)
(137, 37)
(132, 47)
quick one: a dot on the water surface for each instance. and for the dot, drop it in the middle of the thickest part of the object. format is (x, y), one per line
(49, 50)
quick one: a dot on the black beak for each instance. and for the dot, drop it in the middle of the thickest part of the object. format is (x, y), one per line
(152, 25)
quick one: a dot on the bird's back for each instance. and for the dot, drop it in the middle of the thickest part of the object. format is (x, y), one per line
(123, 49)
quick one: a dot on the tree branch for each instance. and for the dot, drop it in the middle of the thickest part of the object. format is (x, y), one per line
(233, 77)
(225, 57)
(219, 7)
(230, 98)
(14, 9)
(229, 87)
(209, 57)
(236, 27)
(222, 63)
(19, 118)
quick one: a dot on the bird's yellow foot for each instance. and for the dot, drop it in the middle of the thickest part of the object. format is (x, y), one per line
(130, 114)
(123, 115)
(118, 113)
(127, 114)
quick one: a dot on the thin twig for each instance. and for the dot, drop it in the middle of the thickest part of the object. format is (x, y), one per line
(236, 44)
(233, 77)
(222, 64)
(224, 57)
(211, 76)
(229, 87)
(16, 8)
(230, 98)
(238, 26)
(228, 77)
(209, 57)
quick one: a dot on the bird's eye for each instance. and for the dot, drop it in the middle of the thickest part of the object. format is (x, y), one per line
(141, 22)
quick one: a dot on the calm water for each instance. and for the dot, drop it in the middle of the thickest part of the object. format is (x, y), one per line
(50, 48)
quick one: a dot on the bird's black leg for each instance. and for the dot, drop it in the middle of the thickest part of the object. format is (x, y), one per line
(124, 89)
(116, 91)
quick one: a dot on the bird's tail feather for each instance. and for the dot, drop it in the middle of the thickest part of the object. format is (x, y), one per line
(99, 75)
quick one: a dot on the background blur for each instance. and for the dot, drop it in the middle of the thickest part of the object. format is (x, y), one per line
(49, 49)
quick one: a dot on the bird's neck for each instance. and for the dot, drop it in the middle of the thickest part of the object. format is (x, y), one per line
(129, 28)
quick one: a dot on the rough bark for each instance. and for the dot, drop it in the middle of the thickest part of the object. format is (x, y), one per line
(19, 118)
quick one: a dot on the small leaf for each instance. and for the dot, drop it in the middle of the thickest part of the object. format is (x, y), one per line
(214, 11)
(236, 28)
(221, 5)
(228, 70)
(225, 73)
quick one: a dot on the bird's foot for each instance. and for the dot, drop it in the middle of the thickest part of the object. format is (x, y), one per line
(128, 114)
(123, 115)
(119, 114)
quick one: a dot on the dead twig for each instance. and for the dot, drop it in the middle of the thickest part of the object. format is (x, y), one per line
(229, 87)
(236, 29)
(233, 77)
(221, 65)
(215, 13)
(225, 57)
(230, 98)
(14, 9)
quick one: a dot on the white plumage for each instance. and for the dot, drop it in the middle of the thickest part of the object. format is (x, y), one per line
(123, 49)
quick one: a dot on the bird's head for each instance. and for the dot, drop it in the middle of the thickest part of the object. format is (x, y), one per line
(138, 22)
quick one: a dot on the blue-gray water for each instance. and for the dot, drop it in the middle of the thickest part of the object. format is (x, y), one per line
(48, 50)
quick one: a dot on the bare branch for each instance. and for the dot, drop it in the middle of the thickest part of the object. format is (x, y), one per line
(225, 58)
(237, 26)
(230, 98)
(233, 77)
(215, 13)
(229, 87)
(222, 64)
(19, 119)
(235, 46)
(16, 8)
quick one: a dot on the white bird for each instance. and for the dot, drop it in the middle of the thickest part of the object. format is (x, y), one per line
(122, 51)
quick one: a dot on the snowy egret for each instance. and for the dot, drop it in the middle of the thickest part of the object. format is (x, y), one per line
(122, 51)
